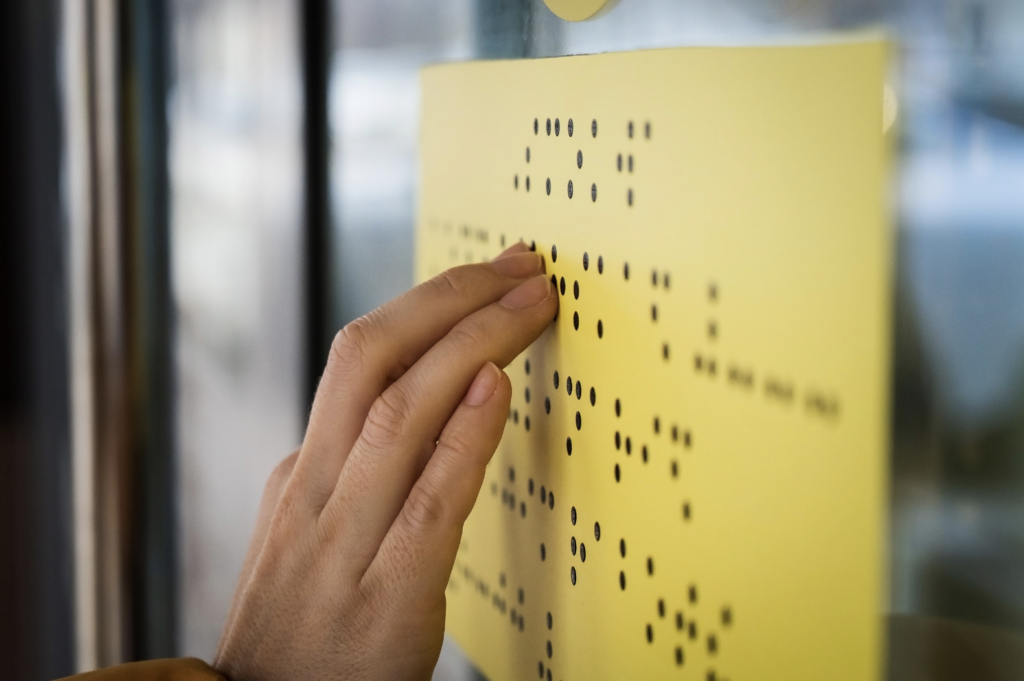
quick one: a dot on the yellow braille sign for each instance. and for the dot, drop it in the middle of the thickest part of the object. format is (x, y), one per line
(693, 478)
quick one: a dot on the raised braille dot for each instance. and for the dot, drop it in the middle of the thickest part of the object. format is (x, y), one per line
(555, 376)
(576, 320)
(712, 330)
(593, 192)
(579, 390)
(529, 486)
(631, 163)
(534, 126)
(650, 566)
(600, 329)
(593, 395)
(568, 127)
(686, 439)
(511, 474)
(583, 552)
(579, 159)
(713, 291)
(547, 405)
(629, 445)
(661, 607)
(572, 515)
(549, 649)
(533, 246)
(665, 279)
(617, 473)
(551, 500)
(650, 634)
(679, 656)
(675, 468)
(686, 511)
(526, 423)
(522, 508)
(618, 162)
(547, 185)
(543, 494)
(625, 271)
(600, 264)
(540, 669)
(643, 453)
(549, 621)
(569, 189)
(543, 552)
(522, 596)
(515, 181)
(712, 644)
(579, 421)
(572, 575)
(654, 313)
(515, 416)
(647, 130)
(527, 183)
(586, 261)
(618, 407)
(554, 253)
(618, 440)
(679, 621)
(572, 545)
(549, 126)
(520, 622)
(568, 445)
(654, 277)
(558, 127)
(597, 531)
(561, 285)
(664, 351)
(726, 616)
(593, 128)
(568, 385)
(622, 547)
(548, 675)
(527, 395)
(527, 154)
(693, 593)
(576, 290)
(622, 580)
(629, 197)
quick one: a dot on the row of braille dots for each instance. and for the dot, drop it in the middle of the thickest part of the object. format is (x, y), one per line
(687, 627)
(508, 497)
(579, 549)
(703, 362)
(560, 284)
(629, 157)
(660, 280)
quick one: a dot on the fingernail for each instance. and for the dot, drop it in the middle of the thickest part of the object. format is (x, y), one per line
(484, 385)
(527, 294)
(517, 247)
(519, 265)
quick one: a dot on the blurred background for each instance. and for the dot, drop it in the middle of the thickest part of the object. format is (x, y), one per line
(195, 194)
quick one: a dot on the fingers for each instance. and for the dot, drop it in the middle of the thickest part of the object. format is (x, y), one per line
(403, 426)
(372, 352)
(268, 504)
(419, 549)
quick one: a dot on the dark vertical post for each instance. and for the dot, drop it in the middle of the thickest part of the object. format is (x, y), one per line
(36, 555)
(316, 54)
(144, 139)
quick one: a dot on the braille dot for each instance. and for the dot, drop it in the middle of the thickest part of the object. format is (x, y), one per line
(686, 439)
(568, 445)
(698, 362)
(522, 596)
(583, 552)
(520, 622)
(629, 197)
(629, 445)
(679, 656)
(543, 552)
(593, 192)
(556, 380)
(579, 390)
(511, 474)
(617, 473)
(593, 394)
(558, 127)
(568, 127)
(572, 575)
(597, 531)
(547, 186)
(665, 279)
(576, 320)
(661, 607)
(711, 675)
(513, 614)
(529, 486)
(527, 183)
(654, 277)
(600, 264)
(527, 154)
(515, 181)
(675, 469)
(579, 159)
(568, 385)
(647, 130)
(629, 129)
(593, 128)
(618, 407)
(713, 291)
(650, 634)
(549, 126)
(711, 367)
(600, 329)
(549, 675)
(572, 545)
(576, 290)
(586, 261)
(515, 417)
(572, 515)
(622, 580)
(693, 594)
(540, 669)
(657, 425)
(712, 330)
(561, 285)
(664, 351)
(654, 313)
(554, 281)
(522, 508)
(547, 405)
(618, 163)
(712, 644)
(534, 126)
(549, 650)
(618, 440)
(643, 453)
(543, 494)
(579, 421)
(625, 271)
(551, 500)
(512, 501)
(570, 189)
(726, 617)
(630, 163)
(527, 395)
(650, 566)
(549, 621)
(533, 246)
(526, 423)
(679, 621)
(692, 629)
(686, 511)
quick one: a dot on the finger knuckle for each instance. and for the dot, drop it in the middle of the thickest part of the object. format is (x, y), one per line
(424, 510)
(351, 345)
(388, 417)
(459, 445)
(471, 332)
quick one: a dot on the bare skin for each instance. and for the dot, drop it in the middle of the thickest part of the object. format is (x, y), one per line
(358, 529)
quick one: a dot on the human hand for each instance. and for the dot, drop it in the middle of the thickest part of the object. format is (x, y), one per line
(357, 531)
